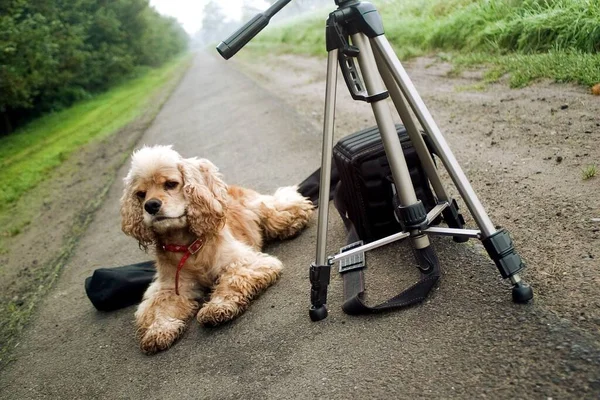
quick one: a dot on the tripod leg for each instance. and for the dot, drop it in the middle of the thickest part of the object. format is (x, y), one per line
(451, 215)
(412, 210)
(497, 243)
(320, 270)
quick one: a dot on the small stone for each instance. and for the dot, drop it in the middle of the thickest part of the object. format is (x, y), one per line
(588, 131)
(564, 106)
(559, 159)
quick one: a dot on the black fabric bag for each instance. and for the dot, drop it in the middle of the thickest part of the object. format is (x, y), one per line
(112, 288)
(366, 190)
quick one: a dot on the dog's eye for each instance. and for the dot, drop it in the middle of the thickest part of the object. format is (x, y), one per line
(141, 194)
(169, 185)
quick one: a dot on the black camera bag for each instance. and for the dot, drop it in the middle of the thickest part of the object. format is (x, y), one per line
(366, 190)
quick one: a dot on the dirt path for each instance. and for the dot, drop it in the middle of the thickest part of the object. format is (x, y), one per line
(522, 149)
(467, 340)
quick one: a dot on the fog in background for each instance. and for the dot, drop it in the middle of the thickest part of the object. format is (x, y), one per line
(211, 21)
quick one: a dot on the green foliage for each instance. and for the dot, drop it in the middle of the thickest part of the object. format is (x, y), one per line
(530, 39)
(53, 53)
(33, 151)
(528, 26)
(562, 66)
(589, 172)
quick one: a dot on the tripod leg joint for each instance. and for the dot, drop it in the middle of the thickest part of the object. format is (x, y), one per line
(500, 248)
(413, 216)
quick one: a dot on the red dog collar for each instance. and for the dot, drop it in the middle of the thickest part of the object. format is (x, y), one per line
(188, 250)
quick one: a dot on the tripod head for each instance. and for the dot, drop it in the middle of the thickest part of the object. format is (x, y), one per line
(234, 43)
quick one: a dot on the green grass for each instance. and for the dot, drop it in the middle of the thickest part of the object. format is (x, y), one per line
(528, 39)
(561, 66)
(29, 154)
(589, 172)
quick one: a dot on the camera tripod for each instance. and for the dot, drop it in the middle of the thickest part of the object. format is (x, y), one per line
(355, 31)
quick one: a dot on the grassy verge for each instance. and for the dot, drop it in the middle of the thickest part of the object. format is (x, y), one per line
(528, 39)
(28, 155)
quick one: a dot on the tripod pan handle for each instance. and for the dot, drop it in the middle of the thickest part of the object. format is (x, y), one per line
(239, 38)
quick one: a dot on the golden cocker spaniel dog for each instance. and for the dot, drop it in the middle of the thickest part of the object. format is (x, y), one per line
(206, 235)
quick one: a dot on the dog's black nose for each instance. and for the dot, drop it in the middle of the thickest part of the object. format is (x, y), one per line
(152, 206)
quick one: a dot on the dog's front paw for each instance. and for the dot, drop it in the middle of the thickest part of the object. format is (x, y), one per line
(160, 335)
(216, 312)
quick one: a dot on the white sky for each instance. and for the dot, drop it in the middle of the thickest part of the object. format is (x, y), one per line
(189, 12)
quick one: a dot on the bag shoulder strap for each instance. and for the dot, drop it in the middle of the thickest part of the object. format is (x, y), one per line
(352, 271)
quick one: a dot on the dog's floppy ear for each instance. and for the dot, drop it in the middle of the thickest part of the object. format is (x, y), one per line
(206, 194)
(132, 217)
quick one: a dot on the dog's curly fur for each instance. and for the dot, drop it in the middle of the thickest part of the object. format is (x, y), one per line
(232, 223)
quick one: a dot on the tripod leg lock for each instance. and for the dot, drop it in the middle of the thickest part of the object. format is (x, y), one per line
(500, 248)
(319, 280)
(413, 216)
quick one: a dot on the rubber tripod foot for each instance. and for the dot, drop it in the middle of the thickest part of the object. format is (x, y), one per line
(522, 293)
(317, 313)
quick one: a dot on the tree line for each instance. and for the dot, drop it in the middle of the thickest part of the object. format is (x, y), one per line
(53, 53)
